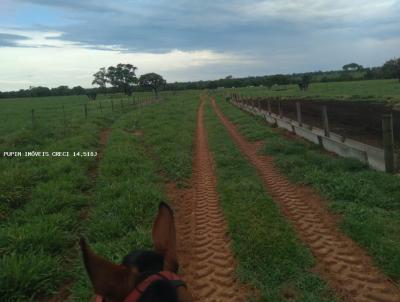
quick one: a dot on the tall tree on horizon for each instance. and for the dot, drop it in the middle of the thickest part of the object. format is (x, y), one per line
(123, 76)
(152, 80)
(100, 79)
(391, 68)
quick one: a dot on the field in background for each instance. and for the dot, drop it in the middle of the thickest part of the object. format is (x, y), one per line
(366, 201)
(380, 90)
(47, 203)
(16, 114)
(43, 199)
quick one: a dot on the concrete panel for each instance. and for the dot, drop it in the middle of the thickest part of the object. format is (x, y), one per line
(361, 146)
(307, 134)
(336, 143)
(376, 159)
(318, 131)
(270, 119)
(284, 125)
(344, 150)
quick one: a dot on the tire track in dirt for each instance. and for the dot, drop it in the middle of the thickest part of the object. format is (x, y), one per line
(206, 261)
(340, 261)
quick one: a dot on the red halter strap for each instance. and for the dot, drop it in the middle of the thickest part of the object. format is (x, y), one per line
(139, 290)
(135, 295)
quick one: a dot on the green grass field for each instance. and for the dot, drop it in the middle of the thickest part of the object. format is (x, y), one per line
(367, 201)
(42, 199)
(270, 256)
(379, 90)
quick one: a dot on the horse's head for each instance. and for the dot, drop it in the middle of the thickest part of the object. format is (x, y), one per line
(143, 276)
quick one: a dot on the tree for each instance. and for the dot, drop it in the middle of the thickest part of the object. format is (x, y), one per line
(78, 90)
(352, 67)
(153, 81)
(100, 79)
(61, 90)
(39, 91)
(123, 77)
(391, 69)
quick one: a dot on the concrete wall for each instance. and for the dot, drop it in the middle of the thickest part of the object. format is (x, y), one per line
(335, 143)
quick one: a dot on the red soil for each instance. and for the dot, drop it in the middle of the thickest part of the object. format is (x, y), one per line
(347, 268)
(205, 258)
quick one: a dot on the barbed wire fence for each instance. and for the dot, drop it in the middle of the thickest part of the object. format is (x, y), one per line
(97, 108)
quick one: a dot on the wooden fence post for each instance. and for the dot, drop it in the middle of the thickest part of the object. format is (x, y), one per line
(85, 109)
(388, 142)
(298, 109)
(269, 106)
(259, 104)
(325, 120)
(101, 107)
(112, 105)
(280, 108)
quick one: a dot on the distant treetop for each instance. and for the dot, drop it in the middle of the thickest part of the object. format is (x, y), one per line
(352, 67)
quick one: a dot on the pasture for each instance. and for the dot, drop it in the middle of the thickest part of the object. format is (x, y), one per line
(143, 150)
(380, 90)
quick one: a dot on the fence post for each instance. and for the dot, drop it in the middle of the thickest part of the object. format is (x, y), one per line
(388, 142)
(280, 108)
(112, 105)
(269, 106)
(325, 120)
(259, 104)
(33, 117)
(101, 107)
(298, 109)
(85, 109)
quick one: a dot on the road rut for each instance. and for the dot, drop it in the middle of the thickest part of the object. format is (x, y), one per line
(207, 263)
(340, 261)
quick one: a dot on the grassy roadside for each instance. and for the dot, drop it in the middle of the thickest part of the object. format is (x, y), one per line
(41, 199)
(269, 255)
(127, 195)
(40, 202)
(129, 186)
(169, 129)
(367, 201)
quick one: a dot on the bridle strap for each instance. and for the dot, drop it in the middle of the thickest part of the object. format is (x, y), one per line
(135, 295)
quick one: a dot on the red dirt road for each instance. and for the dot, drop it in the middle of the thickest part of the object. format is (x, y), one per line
(340, 261)
(206, 261)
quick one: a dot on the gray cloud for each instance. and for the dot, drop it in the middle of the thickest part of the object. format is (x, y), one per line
(7, 40)
(277, 36)
(243, 26)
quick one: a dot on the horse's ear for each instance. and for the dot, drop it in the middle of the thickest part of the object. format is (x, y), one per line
(164, 237)
(109, 280)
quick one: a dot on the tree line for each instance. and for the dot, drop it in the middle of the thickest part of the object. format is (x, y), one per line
(122, 78)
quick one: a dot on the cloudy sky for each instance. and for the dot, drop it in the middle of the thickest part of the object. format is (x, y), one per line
(57, 42)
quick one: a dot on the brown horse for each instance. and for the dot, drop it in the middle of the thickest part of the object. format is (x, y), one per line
(143, 276)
